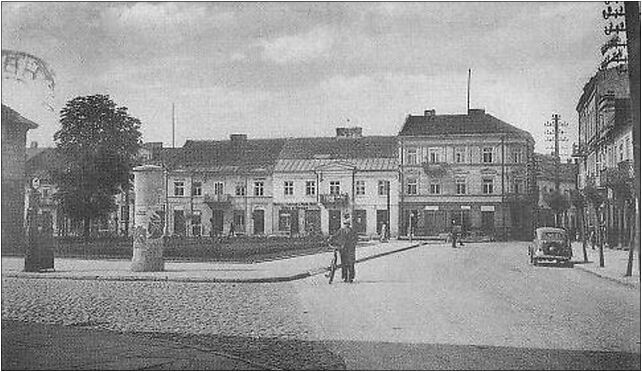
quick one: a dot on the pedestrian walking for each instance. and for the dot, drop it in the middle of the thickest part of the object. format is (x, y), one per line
(455, 234)
(232, 232)
(383, 234)
(346, 239)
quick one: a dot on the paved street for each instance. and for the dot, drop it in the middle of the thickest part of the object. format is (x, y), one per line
(481, 306)
(432, 307)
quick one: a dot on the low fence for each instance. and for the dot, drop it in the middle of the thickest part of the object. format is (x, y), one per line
(198, 249)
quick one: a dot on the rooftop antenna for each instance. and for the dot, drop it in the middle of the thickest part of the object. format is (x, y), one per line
(468, 94)
(173, 126)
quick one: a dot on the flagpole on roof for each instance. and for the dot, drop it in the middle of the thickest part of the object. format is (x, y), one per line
(173, 126)
(468, 94)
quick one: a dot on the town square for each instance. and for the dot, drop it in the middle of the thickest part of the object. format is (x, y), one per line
(320, 186)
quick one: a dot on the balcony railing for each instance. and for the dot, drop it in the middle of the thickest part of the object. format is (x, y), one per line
(219, 199)
(334, 200)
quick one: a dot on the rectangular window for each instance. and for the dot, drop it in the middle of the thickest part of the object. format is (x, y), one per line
(517, 156)
(460, 187)
(258, 188)
(284, 221)
(197, 188)
(487, 155)
(288, 188)
(239, 221)
(411, 186)
(487, 186)
(310, 188)
(433, 156)
(179, 188)
(360, 187)
(435, 188)
(335, 187)
(517, 186)
(460, 155)
(383, 187)
(218, 188)
(621, 152)
(411, 157)
(239, 190)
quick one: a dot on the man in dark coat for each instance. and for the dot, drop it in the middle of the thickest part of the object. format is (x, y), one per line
(346, 239)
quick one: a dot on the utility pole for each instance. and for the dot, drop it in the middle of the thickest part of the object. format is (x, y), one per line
(468, 94)
(556, 135)
(503, 193)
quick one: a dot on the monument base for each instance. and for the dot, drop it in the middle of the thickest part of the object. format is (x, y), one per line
(148, 255)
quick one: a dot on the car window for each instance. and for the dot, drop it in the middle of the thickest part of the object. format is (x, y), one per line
(550, 235)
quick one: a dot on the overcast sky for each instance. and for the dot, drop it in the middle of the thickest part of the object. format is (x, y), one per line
(302, 69)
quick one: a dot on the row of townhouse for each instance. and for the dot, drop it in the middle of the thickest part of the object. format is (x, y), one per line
(472, 169)
(295, 186)
(605, 150)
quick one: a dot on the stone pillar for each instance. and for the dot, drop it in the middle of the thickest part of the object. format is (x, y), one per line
(149, 218)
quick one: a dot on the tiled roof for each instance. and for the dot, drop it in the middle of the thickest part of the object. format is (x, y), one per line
(340, 148)
(248, 155)
(545, 168)
(365, 153)
(308, 165)
(477, 122)
(9, 114)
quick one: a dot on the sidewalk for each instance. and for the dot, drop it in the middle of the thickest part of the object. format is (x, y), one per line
(615, 262)
(273, 271)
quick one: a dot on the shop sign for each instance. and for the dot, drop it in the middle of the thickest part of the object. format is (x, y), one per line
(301, 205)
(465, 207)
(488, 208)
(431, 208)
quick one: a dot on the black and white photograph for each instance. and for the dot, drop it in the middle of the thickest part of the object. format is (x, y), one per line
(320, 186)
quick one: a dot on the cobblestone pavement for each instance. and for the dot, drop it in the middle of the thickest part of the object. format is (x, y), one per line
(260, 322)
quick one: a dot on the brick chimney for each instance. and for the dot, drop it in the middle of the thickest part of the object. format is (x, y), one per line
(430, 112)
(238, 138)
(353, 132)
(476, 112)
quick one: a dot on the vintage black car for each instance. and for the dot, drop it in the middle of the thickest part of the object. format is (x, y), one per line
(550, 245)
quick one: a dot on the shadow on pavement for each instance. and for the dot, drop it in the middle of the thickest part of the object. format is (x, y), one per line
(30, 346)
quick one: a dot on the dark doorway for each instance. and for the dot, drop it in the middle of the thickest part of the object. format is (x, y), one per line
(434, 223)
(334, 222)
(258, 216)
(488, 222)
(462, 218)
(217, 222)
(313, 222)
(382, 218)
(360, 221)
(294, 221)
(179, 223)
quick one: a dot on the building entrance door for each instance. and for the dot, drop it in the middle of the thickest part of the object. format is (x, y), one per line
(217, 222)
(434, 222)
(360, 221)
(382, 218)
(179, 223)
(313, 222)
(488, 222)
(258, 216)
(334, 222)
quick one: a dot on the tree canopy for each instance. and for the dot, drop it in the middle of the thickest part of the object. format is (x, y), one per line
(98, 142)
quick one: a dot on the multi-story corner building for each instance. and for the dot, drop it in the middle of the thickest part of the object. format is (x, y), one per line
(214, 185)
(472, 170)
(320, 181)
(547, 178)
(605, 147)
(14, 137)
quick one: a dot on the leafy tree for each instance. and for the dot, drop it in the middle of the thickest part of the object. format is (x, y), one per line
(98, 143)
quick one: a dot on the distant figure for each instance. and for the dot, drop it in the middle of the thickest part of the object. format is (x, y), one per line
(383, 234)
(456, 234)
(346, 239)
(231, 229)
